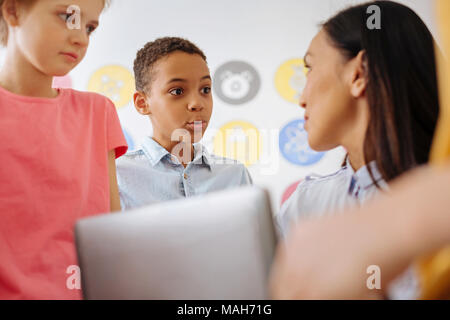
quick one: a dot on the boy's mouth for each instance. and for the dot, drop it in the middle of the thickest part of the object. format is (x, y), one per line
(196, 125)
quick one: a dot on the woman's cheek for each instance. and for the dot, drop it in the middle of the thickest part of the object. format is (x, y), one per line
(308, 93)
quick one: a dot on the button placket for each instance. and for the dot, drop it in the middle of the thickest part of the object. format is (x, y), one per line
(185, 177)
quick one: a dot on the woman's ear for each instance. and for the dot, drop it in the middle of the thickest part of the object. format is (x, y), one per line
(10, 12)
(140, 103)
(359, 75)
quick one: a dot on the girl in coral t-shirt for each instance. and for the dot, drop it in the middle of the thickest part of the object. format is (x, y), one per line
(58, 147)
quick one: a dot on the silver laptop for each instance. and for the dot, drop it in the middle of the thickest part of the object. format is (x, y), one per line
(216, 246)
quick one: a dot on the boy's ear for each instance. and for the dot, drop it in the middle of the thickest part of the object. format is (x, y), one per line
(140, 103)
(10, 12)
(358, 83)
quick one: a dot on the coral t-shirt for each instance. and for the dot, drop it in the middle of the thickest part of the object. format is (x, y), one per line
(53, 171)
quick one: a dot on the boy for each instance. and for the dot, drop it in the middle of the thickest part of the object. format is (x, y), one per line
(173, 88)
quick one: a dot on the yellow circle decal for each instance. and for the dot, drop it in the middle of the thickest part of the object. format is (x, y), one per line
(290, 80)
(239, 140)
(115, 82)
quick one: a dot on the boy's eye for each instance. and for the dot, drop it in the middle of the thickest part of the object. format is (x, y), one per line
(206, 90)
(176, 92)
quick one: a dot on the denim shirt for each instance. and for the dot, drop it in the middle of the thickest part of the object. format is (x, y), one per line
(151, 174)
(319, 196)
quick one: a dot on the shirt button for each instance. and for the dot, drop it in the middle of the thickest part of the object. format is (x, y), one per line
(185, 176)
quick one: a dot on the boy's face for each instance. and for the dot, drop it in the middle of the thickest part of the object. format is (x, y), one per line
(179, 95)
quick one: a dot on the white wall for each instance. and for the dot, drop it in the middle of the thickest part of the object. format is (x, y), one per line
(264, 33)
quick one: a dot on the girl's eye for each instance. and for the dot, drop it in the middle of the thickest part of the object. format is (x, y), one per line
(90, 29)
(65, 16)
(176, 92)
(206, 90)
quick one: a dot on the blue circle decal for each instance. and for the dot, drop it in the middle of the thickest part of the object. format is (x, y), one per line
(129, 140)
(294, 145)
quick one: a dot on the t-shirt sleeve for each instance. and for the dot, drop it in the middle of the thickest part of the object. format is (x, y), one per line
(114, 133)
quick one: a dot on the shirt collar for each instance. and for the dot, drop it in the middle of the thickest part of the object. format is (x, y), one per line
(201, 155)
(362, 176)
(155, 153)
(153, 150)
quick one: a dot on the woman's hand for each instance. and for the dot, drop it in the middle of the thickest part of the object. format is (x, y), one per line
(328, 258)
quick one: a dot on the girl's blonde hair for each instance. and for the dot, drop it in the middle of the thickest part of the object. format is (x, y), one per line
(4, 26)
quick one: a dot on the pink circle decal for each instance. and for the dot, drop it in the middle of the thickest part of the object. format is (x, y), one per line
(289, 191)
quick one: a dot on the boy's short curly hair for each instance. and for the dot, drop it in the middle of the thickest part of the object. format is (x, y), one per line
(4, 26)
(154, 51)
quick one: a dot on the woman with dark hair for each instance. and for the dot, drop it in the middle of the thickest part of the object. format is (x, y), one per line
(374, 92)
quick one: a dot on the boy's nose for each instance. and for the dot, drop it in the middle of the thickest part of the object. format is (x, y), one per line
(195, 105)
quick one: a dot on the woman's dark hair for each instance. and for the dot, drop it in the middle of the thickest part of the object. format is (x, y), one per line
(402, 89)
